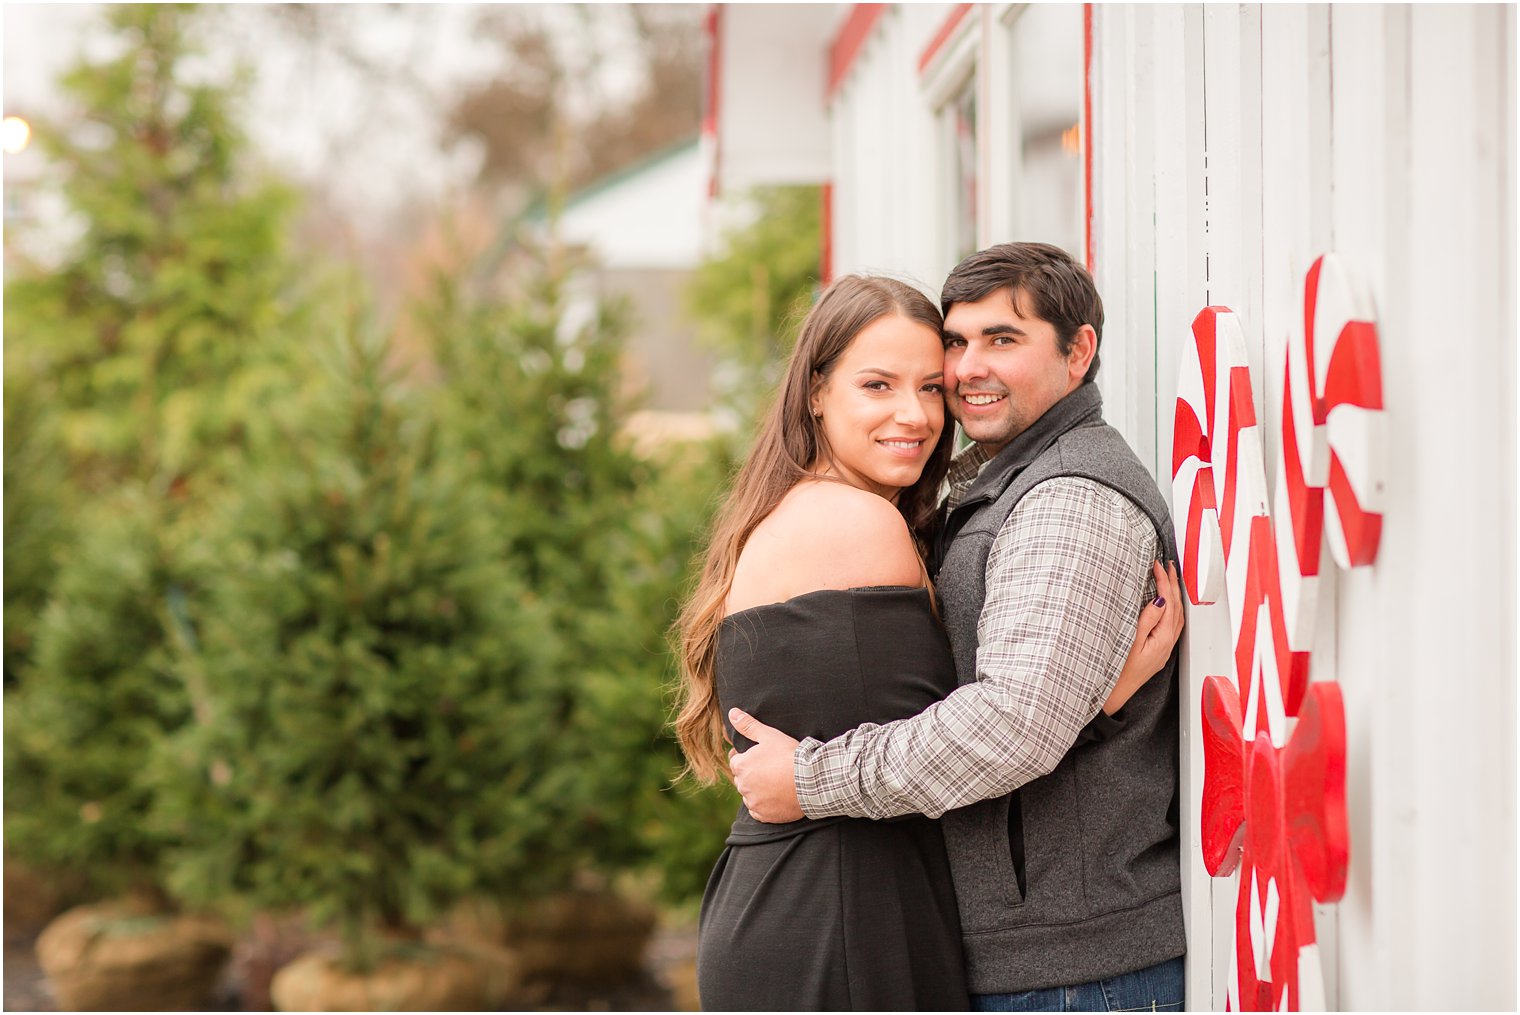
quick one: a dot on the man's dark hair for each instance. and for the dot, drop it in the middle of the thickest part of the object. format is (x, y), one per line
(1042, 280)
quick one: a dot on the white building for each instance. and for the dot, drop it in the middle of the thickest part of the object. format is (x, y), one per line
(642, 228)
(1206, 156)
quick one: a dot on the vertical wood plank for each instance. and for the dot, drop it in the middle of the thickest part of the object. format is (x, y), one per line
(1176, 109)
(920, 155)
(1230, 116)
(1252, 296)
(1457, 811)
(846, 180)
(1392, 851)
(1359, 38)
(1117, 192)
(1507, 889)
(1319, 148)
(1000, 131)
(1225, 81)
(1140, 327)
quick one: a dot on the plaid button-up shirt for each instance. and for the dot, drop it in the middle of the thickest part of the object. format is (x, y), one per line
(1067, 577)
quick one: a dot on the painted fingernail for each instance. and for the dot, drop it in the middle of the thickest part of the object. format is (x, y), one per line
(1159, 601)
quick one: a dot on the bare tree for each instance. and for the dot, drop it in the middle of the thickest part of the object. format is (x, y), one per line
(532, 118)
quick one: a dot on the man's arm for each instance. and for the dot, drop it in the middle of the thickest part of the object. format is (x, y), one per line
(1066, 578)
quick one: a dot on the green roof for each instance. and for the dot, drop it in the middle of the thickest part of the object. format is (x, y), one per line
(538, 210)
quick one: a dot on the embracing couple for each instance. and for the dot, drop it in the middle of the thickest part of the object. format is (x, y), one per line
(1003, 657)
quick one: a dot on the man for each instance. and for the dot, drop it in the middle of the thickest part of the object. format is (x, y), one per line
(1064, 846)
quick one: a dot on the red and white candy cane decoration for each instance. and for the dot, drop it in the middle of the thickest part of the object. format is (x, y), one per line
(1274, 798)
(1332, 442)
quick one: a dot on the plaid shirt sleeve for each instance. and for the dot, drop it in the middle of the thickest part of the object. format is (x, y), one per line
(1067, 577)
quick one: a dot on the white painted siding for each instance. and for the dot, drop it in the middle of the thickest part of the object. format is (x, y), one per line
(886, 146)
(650, 218)
(1387, 134)
(771, 77)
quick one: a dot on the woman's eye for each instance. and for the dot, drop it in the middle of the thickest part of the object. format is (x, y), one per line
(935, 389)
(876, 385)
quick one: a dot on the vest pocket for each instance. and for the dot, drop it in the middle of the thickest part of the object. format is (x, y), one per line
(987, 884)
(1016, 845)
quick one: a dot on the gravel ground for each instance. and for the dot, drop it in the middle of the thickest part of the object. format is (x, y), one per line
(668, 982)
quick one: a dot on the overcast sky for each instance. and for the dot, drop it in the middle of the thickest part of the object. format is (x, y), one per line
(315, 116)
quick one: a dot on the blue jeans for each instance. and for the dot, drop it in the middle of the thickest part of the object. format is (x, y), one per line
(1158, 988)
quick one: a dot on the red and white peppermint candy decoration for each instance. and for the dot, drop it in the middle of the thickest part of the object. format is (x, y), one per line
(1274, 802)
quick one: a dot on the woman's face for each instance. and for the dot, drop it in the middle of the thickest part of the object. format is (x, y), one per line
(882, 407)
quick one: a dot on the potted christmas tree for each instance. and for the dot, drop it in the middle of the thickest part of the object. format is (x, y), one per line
(534, 397)
(143, 347)
(79, 735)
(376, 678)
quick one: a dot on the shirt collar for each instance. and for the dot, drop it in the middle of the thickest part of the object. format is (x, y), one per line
(992, 474)
(964, 469)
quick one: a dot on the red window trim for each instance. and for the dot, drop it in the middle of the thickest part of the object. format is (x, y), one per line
(946, 30)
(714, 71)
(849, 41)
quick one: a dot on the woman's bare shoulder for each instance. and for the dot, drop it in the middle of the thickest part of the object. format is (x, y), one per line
(825, 535)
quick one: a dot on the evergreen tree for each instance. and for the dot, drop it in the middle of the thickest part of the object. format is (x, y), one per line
(134, 368)
(38, 508)
(530, 387)
(168, 320)
(628, 701)
(375, 679)
(82, 726)
(750, 300)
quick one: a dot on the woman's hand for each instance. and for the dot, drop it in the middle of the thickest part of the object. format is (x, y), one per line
(1155, 636)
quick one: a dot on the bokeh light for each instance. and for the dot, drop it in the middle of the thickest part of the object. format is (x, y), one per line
(15, 135)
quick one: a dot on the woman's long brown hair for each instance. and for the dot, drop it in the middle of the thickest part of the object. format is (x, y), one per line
(790, 440)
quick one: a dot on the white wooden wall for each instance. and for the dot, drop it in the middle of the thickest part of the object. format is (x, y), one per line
(892, 167)
(886, 155)
(1232, 146)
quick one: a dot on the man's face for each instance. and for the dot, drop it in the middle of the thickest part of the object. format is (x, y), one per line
(1004, 370)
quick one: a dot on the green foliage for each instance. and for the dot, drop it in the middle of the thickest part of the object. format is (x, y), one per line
(167, 321)
(82, 726)
(38, 509)
(288, 638)
(134, 368)
(683, 825)
(750, 300)
(622, 750)
(374, 681)
(605, 538)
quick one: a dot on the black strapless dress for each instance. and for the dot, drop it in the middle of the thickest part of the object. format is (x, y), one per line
(837, 914)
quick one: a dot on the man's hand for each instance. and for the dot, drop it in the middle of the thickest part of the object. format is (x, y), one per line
(763, 774)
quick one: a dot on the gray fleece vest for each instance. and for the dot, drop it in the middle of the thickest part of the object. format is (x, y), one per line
(1075, 876)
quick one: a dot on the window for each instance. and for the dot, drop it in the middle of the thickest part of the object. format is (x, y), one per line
(960, 119)
(1046, 174)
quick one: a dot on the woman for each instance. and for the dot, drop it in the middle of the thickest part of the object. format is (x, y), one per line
(814, 613)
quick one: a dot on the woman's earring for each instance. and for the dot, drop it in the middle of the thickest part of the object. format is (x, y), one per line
(817, 414)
